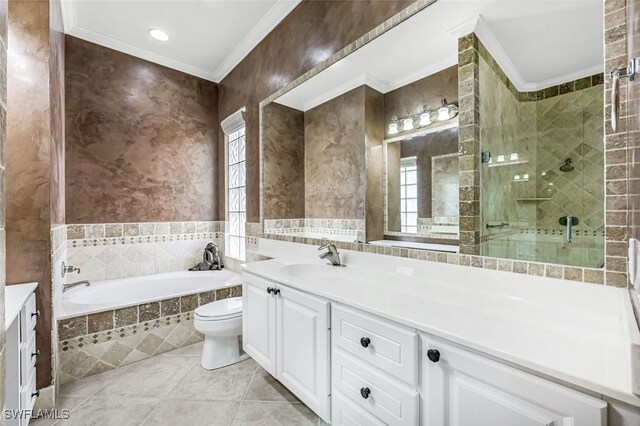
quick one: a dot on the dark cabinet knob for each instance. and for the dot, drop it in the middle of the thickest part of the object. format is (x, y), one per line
(269, 290)
(365, 342)
(36, 393)
(36, 353)
(433, 355)
(276, 291)
(365, 392)
(35, 314)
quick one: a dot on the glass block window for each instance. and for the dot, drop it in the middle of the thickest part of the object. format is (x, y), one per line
(237, 194)
(408, 195)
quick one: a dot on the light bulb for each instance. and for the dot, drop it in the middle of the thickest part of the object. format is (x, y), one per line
(514, 156)
(443, 111)
(425, 118)
(393, 128)
(516, 177)
(525, 176)
(407, 124)
(500, 158)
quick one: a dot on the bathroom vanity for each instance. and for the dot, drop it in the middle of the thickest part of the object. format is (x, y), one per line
(360, 345)
(21, 317)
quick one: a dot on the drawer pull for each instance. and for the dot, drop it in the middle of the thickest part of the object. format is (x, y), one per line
(433, 355)
(36, 393)
(365, 342)
(35, 314)
(276, 291)
(36, 353)
(365, 392)
(269, 290)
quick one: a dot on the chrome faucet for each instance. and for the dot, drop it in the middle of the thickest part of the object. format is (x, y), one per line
(211, 259)
(332, 254)
(66, 287)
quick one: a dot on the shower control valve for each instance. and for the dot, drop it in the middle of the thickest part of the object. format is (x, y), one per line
(67, 269)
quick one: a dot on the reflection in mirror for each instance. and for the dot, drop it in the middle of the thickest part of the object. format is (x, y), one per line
(422, 186)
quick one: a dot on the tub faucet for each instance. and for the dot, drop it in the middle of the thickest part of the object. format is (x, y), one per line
(211, 259)
(66, 287)
(332, 254)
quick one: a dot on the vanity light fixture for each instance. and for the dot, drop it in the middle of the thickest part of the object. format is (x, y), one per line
(158, 34)
(425, 117)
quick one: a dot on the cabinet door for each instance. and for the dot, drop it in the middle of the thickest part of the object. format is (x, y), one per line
(303, 348)
(259, 321)
(464, 389)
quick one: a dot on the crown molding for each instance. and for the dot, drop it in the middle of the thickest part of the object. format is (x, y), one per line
(274, 16)
(424, 72)
(492, 44)
(268, 22)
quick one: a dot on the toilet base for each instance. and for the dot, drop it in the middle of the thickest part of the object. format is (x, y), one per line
(219, 352)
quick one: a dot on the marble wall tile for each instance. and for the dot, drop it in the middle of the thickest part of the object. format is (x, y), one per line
(374, 129)
(334, 146)
(310, 33)
(151, 157)
(284, 172)
(3, 139)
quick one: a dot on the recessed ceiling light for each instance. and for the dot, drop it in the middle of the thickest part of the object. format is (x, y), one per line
(158, 34)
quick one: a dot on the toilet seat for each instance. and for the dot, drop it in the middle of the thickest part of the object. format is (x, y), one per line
(220, 310)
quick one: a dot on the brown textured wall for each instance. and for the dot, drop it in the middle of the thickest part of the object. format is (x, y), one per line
(429, 90)
(3, 134)
(283, 133)
(309, 34)
(140, 139)
(374, 165)
(28, 171)
(335, 171)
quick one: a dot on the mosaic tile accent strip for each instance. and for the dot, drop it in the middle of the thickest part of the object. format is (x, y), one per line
(122, 337)
(337, 229)
(122, 250)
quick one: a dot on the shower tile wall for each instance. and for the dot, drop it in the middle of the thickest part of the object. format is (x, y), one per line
(544, 128)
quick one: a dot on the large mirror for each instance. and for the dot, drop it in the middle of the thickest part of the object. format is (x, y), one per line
(381, 146)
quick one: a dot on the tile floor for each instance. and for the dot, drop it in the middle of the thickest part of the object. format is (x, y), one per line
(172, 389)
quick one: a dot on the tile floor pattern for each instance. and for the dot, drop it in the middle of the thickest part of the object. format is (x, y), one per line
(173, 389)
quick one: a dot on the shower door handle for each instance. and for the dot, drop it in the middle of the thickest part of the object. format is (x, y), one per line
(615, 105)
(569, 222)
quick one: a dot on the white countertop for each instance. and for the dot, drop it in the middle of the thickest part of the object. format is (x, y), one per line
(14, 298)
(576, 333)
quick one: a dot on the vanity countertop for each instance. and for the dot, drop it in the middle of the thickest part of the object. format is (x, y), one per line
(580, 334)
(14, 298)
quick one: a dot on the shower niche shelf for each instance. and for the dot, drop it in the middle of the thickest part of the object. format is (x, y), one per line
(508, 163)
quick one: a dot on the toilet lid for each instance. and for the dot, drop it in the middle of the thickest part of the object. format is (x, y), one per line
(220, 309)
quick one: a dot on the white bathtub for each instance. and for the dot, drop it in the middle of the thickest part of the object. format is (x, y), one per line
(120, 293)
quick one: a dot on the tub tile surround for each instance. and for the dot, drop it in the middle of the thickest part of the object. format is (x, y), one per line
(101, 341)
(122, 250)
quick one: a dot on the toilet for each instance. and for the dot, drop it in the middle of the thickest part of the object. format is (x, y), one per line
(221, 324)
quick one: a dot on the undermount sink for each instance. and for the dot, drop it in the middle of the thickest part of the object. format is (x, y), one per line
(311, 270)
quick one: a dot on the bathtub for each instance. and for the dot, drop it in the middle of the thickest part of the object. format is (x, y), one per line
(120, 293)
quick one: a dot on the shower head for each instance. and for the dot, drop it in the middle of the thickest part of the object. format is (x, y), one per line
(567, 167)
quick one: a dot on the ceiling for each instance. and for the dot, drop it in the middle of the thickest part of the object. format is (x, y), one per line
(207, 38)
(537, 43)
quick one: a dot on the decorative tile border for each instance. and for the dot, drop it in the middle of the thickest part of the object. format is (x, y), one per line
(91, 344)
(99, 231)
(343, 229)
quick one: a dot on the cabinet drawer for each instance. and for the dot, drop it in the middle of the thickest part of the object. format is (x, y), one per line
(28, 320)
(392, 348)
(28, 393)
(383, 397)
(27, 359)
(347, 413)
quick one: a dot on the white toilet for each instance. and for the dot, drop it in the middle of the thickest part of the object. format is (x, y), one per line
(221, 324)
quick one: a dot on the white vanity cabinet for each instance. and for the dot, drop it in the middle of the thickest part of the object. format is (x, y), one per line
(21, 316)
(464, 389)
(286, 331)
